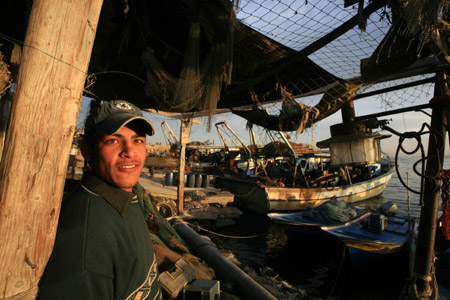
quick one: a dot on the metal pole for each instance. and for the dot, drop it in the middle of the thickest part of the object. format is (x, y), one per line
(424, 257)
(409, 197)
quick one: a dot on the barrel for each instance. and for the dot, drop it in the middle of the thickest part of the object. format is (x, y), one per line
(169, 178)
(198, 180)
(190, 180)
(205, 180)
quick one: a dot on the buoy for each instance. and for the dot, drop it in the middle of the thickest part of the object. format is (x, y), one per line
(205, 181)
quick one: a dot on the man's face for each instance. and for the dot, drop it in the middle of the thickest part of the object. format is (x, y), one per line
(119, 158)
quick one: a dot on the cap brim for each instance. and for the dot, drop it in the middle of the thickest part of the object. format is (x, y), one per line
(113, 124)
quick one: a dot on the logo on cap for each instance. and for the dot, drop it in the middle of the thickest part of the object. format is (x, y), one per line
(120, 105)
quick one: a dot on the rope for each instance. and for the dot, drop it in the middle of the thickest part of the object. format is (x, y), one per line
(431, 293)
(417, 137)
(341, 264)
(233, 236)
(245, 195)
(197, 227)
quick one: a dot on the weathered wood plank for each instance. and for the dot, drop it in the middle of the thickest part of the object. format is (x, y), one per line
(47, 98)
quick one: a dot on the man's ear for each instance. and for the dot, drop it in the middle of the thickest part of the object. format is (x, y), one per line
(86, 151)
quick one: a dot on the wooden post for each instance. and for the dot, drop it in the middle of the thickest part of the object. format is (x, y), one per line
(56, 55)
(348, 112)
(424, 257)
(184, 139)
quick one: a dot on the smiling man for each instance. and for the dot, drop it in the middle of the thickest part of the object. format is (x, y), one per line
(103, 248)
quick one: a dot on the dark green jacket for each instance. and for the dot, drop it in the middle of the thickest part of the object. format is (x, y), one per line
(102, 248)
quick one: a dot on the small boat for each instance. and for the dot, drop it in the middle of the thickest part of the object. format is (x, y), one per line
(334, 213)
(296, 221)
(378, 233)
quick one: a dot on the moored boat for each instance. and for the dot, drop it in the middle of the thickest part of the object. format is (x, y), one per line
(301, 221)
(372, 230)
(332, 214)
(255, 195)
(353, 171)
(389, 234)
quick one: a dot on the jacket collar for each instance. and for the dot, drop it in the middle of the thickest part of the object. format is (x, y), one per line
(118, 198)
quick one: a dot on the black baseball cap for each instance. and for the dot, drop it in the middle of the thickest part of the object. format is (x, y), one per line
(111, 116)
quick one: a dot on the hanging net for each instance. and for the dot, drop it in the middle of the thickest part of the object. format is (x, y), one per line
(5, 76)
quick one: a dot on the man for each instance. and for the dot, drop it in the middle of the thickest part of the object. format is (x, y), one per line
(103, 248)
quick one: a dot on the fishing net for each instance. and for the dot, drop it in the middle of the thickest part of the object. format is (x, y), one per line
(334, 211)
(283, 65)
(202, 75)
(5, 77)
(169, 247)
(421, 18)
(413, 33)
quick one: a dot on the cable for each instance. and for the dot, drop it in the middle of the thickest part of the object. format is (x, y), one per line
(341, 264)
(198, 227)
(417, 136)
(13, 41)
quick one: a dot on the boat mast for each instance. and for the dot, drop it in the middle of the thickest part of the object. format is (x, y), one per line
(170, 136)
(223, 123)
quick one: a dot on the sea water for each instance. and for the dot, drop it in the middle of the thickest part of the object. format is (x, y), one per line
(322, 266)
(407, 202)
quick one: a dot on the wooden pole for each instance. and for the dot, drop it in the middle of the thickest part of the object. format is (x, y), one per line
(424, 257)
(348, 112)
(184, 139)
(56, 55)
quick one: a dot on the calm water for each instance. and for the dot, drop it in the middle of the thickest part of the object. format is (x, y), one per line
(322, 266)
(398, 194)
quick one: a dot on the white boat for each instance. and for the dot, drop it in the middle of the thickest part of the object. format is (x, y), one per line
(352, 171)
(251, 194)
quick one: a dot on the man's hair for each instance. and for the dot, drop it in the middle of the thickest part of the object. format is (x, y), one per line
(90, 135)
